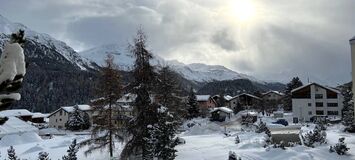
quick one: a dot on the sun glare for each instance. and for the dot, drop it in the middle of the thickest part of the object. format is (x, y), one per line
(242, 10)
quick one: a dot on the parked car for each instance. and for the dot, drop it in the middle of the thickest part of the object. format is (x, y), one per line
(281, 121)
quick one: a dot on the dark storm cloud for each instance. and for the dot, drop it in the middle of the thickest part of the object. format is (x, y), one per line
(286, 38)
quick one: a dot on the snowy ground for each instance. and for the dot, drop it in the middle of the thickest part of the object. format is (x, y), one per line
(205, 141)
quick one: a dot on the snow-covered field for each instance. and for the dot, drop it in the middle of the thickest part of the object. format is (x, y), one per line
(204, 141)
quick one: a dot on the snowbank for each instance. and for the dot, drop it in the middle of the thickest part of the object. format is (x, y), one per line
(15, 139)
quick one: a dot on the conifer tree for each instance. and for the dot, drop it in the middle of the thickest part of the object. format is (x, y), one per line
(73, 149)
(168, 93)
(193, 109)
(140, 144)
(105, 131)
(43, 156)
(166, 129)
(348, 109)
(76, 120)
(11, 154)
(287, 101)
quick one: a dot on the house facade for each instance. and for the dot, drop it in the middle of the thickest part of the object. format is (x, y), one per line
(58, 118)
(245, 101)
(272, 100)
(314, 100)
(352, 46)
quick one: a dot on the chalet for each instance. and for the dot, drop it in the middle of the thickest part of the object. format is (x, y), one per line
(221, 114)
(58, 118)
(315, 100)
(39, 117)
(272, 100)
(245, 101)
(22, 114)
(205, 103)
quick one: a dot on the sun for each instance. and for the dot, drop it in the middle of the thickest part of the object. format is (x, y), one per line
(242, 10)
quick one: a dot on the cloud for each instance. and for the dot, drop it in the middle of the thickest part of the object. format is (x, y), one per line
(299, 38)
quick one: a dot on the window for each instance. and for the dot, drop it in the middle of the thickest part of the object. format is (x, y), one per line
(309, 104)
(310, 113)
(319, 112)
(319, 104)
(333, 113)
(56, 120)
(319, 96)
(61, 112)
(332, 104)
(60, 119)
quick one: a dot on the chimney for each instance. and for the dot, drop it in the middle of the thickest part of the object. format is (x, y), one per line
(352, 46)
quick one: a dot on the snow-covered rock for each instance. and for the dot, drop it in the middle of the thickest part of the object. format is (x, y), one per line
(197, 72)
(7, 27)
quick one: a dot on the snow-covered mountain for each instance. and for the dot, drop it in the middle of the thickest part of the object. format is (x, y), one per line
(7, 27)
(197, 72)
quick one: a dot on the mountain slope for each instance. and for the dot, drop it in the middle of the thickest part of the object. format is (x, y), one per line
(197, 72)
(56, 74)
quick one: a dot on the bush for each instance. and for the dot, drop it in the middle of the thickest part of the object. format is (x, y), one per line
(233, 156)
(261, 127)
(340, 147)
(315, 136)
(237, 140)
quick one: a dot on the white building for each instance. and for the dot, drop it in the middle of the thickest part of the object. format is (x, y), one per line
(315, 100)
(58, 118)
(352, 45)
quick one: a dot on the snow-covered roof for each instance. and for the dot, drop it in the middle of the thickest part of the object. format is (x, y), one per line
(352, 39)
(15, 112)
(82, 107)
(331, 89)
(127, 98)
(276, 92)
(248, 112)
(69, 109)
(223, 109)
(39, 115)
(14, 125)
(203, 97)
(247, 94)
(228, 97)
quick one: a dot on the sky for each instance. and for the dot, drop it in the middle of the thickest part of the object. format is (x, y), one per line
(272, 40)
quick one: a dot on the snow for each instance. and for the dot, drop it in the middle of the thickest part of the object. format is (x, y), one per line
(196, 71)
(203, 97)
(39, 115)
(15, 126)
(228, 97)
(224, 109)
(334, 90)
(12, 62)
(8, 27)
(82, 107)
(204, 141)
(247, 94)
(15, 112)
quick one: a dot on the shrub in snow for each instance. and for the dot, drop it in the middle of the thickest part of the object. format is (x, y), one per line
(11, 155)
(73, 149)
(340, 147)
(192, 106)
(12, 69)
(237, 140)
(261, 127)
(315, 136)
(233, 156)
(282, 145)
(321, 126)
(43, 156)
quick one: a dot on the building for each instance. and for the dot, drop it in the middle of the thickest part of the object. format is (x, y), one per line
(221, 114)
(22, 114)
(245, 101)
(272, 100)
(58, 118)
(314, 100)
(39, 117)
(352, 46)
(205, 103)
